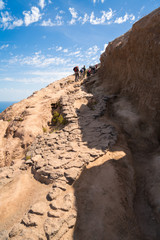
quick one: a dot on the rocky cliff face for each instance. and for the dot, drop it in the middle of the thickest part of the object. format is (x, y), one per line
(79, 160)
(130, 66)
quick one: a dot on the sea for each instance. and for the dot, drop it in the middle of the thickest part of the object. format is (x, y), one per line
(4, 105)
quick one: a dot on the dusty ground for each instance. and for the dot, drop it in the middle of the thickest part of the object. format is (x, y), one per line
(17, 196)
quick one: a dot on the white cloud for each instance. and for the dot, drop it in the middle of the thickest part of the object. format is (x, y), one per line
(40, 76)
(73, 21)
(9, 22)
(94, 58)
(108, 15)
(47, 23)
(132, 17)
(4, 46)
(92, 21)
(74, 15)
(105, 45)
(93, 50)
(50, 48)
(42, 3)
(6, 20)
(80, 18)
(73, 12)
(39, 60)
(76, 53)
(105, 16)
(58, 49)
(85, 19)
(94, 1)
(16, 23)
(2, 5)
(59, 21)
(32, 16)
(65, 50)
(125, 18)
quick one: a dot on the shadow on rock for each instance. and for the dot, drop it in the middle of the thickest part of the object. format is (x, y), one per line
(104, 196)
(96, 132)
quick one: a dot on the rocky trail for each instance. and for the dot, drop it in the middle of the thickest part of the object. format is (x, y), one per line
(57, 159)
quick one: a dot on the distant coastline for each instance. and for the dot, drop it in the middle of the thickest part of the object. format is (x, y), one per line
(4, 105)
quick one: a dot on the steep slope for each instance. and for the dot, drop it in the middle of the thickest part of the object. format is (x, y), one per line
(130, 73)
(130, 66)
(56, 159)
(23, 121)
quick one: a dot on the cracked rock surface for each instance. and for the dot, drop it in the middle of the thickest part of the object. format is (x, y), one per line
(55, 161)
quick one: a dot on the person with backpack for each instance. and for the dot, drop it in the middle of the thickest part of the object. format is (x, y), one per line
(76, 70)
(93, 69)
(81, 72)
(84, 70)
(89, 72)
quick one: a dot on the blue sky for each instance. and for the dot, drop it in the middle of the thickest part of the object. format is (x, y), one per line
(42, 40)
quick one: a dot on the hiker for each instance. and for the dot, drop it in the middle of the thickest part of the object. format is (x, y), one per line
(76, 70)
(93, 69)
(81, 72)
(89, 72)
(84, 70)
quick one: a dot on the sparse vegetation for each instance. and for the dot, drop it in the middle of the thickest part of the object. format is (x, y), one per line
(55, 130)
(61, 119)
(28, 157)
(55, 117)
(44, 129)
(58, 121)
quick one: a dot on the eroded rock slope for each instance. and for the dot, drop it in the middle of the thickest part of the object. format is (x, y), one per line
(57, 159)
(130, 66)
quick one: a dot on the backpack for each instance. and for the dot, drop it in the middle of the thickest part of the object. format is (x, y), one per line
(75, 69)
